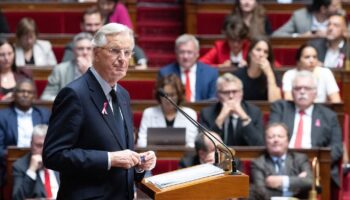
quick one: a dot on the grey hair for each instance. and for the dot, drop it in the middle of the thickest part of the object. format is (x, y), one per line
(81, 36)
(40, 130)
(184, 38)
(228, 78)
(305, 74)
(100, 39)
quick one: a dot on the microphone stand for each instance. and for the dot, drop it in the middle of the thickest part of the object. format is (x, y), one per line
(205, 131)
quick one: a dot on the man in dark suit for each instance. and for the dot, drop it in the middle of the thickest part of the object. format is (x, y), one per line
(279, 172)
(332, 50)
(199, 79)
(90, 139)
(29, 176)
(17, 121)
(237, 121)
(309, 125)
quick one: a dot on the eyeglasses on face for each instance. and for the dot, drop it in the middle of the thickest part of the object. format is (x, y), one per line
(228, 92)
(306, 88)
(116, 52)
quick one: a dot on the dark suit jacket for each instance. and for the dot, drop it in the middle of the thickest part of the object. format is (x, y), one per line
(326, 133)
(9, 130)
(321, 45)
(250, 135)
(79, 138)
(294, 164)
(189, 161)
(23, 186)
(205, 79)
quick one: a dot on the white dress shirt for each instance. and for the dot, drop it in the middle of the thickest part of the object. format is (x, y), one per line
(307, 120)
(25, 127)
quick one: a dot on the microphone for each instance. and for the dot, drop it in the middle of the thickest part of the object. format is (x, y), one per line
(206, 132)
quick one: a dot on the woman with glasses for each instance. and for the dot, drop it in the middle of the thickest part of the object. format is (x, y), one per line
(9, 74)
(258, 78)
(30, 50)
(306, 58)
(165, 114)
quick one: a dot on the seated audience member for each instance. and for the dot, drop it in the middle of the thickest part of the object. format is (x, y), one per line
(205, 151)
(30, 178)
(4, 28)
(310, 21)
(17, 121)
(332, 49)
(279, 172)
(233, 50)
(258, 78)
(309, 125)
(165, 114)
(114, 11)
(9, 74)
(327, 88)
(238, 122)
(68, 71)
(91, 21)
(254, 16)
(30, 50)
(199, 78)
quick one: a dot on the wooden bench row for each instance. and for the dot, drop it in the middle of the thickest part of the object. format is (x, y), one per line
(168, 157)
(68, 15)
(135, 78)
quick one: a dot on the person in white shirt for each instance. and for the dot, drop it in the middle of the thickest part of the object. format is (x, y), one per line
(165, 114)
(327, 88)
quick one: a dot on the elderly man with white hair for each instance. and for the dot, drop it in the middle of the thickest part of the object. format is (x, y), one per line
(90, 138)
(309, 125)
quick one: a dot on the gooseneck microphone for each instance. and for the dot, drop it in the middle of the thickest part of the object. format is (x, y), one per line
(201, 128)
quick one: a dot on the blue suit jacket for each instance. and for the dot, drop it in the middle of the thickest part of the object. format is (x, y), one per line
(79, 138)
(9, 130)
(205, 79)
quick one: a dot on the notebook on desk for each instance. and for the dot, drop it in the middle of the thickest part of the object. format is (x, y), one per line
(166, 136)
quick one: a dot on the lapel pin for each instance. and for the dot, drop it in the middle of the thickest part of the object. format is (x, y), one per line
(318, 123)
(104, 109)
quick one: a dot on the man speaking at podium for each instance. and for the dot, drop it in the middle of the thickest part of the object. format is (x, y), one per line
(90, 136)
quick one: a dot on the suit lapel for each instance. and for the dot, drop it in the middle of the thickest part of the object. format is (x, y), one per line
(198, 81)
(13, 126)
(290, 117)
(100, 101)
(315, 129)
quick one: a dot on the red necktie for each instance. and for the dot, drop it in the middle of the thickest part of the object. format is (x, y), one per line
(188, 92)
(47, 183)
(299, 136)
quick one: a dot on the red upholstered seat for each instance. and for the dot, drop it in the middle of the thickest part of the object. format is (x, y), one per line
(47, 22)
(40, 86)
(137, 119)
(285, 56)
(163, 166)
(139, 90)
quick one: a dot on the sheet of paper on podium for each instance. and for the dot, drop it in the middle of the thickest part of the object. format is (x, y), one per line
(184, 175)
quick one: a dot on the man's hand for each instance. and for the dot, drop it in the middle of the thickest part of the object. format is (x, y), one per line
(147, 160)
(302, 174)
(83, 64)
(36, 163)
(125, 159)
(274, 181)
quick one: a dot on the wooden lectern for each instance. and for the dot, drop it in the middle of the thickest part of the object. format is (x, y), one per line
(221, 186)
